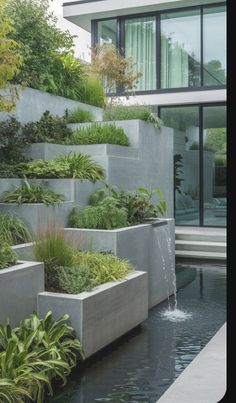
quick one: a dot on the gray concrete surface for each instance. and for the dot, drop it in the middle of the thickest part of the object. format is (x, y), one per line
(149, 248)
(38, 217)
(103, 314)
(25, 251)
(19, 286)
(204, 379)
(33, 103)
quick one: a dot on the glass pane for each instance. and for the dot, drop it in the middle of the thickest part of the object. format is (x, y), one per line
(185, 122)
(180, 49)
(140, 44)
(215, 162)
(107, 32)
(214, 46)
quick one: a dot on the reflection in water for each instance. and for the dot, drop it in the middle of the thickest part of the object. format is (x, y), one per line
(142, 365)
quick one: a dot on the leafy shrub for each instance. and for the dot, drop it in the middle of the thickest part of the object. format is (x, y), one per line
(49, 129)
(99, 134)
(122, 112)
(12, 170)
(74, 279)
(79, 116)
(75, 165)
(11, 141)
(106, 215)
(7, 256)
(32, 193)
(35, 354)
(137, 204)
(13, 230)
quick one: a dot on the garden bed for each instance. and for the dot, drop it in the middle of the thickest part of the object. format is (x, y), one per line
(149, 247)
(104, 314)
(19, 286)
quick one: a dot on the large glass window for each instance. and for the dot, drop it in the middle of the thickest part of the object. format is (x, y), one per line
(180, 49)
(140, 44)
(214, 165)
(185, 122)
(214, 46)
(106, 32)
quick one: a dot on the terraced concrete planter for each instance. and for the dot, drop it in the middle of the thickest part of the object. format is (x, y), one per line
(19, 287)
(39, 217)
(25, 251)
(104, 314)
(149, 247)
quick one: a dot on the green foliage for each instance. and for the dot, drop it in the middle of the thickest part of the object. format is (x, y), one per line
(92, 92)
(49, 129)
(41, 41)
(138, 204)
(99, 134)
(11, 141)
(13, 230)
(106, 215)
(216, 139)
(12, 170)
(178, 165)
(32, 193)
(221, 160)
(74, 279)
(79, 116)
(34, 355)
(7, 256)
(122, 112)
(10, 59)
(75, 165)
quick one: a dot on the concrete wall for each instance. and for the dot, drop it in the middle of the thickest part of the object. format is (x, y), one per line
(148, 247)
(33, 103)
(19, 286)
(103, 314)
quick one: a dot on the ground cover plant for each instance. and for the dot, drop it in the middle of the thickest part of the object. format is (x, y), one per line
(32, 193)
(99, 134)
(13, 230)
(122, 112)
(70, 270)
(75, 165)
(111, 208)
(35, 355)
(7, 256)
(79, 115)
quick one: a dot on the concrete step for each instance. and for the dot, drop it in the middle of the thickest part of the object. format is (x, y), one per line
(200, 255)
(204, 246)
(199, 234)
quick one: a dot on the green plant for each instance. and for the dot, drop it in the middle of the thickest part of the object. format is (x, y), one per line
(138, 204)
(99, 134)
(122, 112)
(10, 59)
(75, 165)
(178, 165)
(11, 141)
(52, 248)
(74, 279)
(106, 215)
(12, 170)
(92, 92)
(35, 354)
(79, 116)
(7, 256)
(50, 129)
(32, 193)
(13, 230)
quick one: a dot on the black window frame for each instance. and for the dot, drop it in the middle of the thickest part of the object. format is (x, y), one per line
(157, 14)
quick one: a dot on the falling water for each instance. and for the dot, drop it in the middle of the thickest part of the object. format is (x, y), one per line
(165, 274)
(172, 265)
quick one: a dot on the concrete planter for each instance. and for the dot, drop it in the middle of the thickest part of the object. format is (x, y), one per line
(19, 286)
(149, 247)
(104, 314)
(39, 217)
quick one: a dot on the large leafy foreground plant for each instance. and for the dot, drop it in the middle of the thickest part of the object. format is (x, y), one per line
(35, 354)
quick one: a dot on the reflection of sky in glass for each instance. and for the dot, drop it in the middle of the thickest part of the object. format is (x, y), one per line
(185, 31)
(215, 38)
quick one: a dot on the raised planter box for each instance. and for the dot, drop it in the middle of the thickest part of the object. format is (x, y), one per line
(149, 247)
(19, 287)
(103, 315)
(38, 216)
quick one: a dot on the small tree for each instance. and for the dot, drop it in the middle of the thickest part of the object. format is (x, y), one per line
(10, 59)
(116, 72)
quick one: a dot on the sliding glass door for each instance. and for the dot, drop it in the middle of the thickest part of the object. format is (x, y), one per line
(199, 163)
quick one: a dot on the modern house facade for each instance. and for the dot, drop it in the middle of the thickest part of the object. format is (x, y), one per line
(179, 46)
